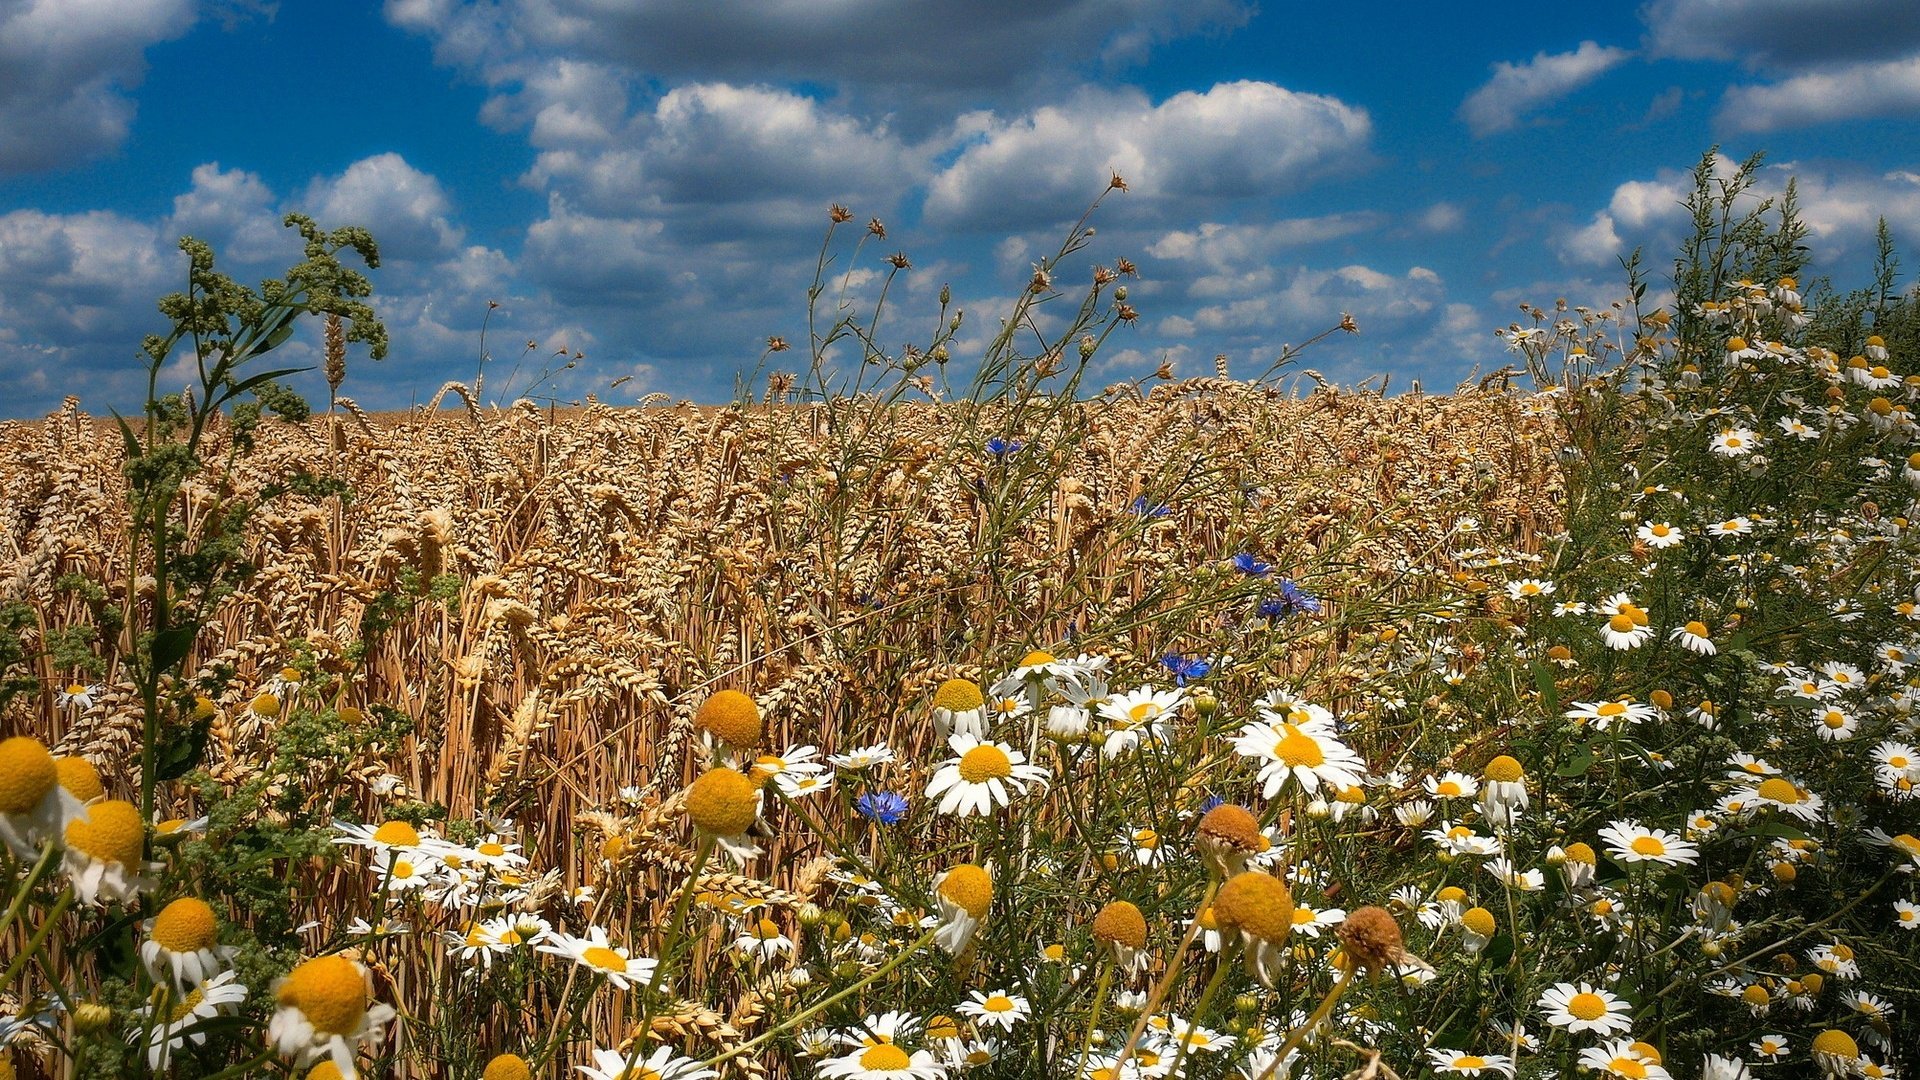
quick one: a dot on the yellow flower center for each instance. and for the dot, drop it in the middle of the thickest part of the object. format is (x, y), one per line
(1775, 789)
(185, 1006)
(1697, 629)
(1469, 1061)
(397, 834)
(1649, 846)
(27, 774)
(958, 695)
(1631, 1067)
(1036, 659)
(1660, 530)
(1587, 1006)
(1121, 923)
(1258, 904)
(723, 802)
(80, 778)
(1621, 623)
(266, 705)
(732, 717)
(1452, 894)
(998, 1003)
(884, 1057)
(331, 991)
(1447, 788)
(985, 762)
(1296, 749)
(1480, 921)
(969, 888)
(1836, 1043)
(605, 959)
(492, 850)
(508, 1067)
(1146, 838)
(1504, 770)
(112, 832)
(943, 1027)
(184, 926)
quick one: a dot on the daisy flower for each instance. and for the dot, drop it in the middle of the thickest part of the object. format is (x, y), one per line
(1460, 1063)
(1631, 842)
(1835, 724)
(388, 836)
(977, 779)
(1044, 665)
(1529, 588)
(1621, 632)
(662, 1064)
(1695, 638)
(1310, 922)
(1138, 715)
(964, 894)
(203, 1001)
(1583, 1007)
(1782, 794)
(1604, 714)
(958, 705)
(785, 768)
(1906, 915)
(1624, 1058)
(1659, 534)
(763, 940)
(1452, 785)
(1771, 1047)
(599, 955)
(999, 1009)
(78, 696)
(104, 851)
(34, 807)
(183, 942)
(1308, 753)
(1733, 526)
(1734, 442)
(326, 1012)
(865, 757)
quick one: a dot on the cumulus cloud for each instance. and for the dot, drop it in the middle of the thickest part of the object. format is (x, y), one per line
(1220, 244)
(733, 160)
(1840, 204)
(407, 210)
(1517, 89)
(1783, 34)
(1887, 88)
(64, 68)
(1235, 140)
(924, 58)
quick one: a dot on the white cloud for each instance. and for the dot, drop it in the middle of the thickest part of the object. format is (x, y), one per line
(1517, 89)
(1441, 217)
(406, 209)
(1788, 34)
(1221, 244)
(64, 68)
(234, 211)
(920, 61)
(1888, 88)
(1236, 140)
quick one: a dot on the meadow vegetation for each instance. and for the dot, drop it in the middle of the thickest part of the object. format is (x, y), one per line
(881, 727)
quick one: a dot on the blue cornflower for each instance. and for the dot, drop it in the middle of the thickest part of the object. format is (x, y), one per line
(1292, 600)
(1144, 509)
(1186, 667)
(999, 447)
(1247, 564)
(884, 807)
(1210, 802)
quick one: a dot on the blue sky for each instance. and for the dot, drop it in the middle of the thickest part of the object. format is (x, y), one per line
(646, 183)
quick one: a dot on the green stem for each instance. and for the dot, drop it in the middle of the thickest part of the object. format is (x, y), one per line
(26, 888)
(809, 1013)
(1100, 984)
(39, 938)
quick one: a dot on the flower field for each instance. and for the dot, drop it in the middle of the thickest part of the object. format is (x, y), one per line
(879, 730)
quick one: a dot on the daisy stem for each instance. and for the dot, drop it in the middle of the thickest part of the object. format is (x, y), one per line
(1220, 967)
(1165, 984)
(812, 1011)
(26, 888)
(39, 938)
(1319, 1016)
(1100, 984)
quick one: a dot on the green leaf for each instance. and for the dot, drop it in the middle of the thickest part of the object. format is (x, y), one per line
(1581, 761)
(170, 647)
(1543, 682)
